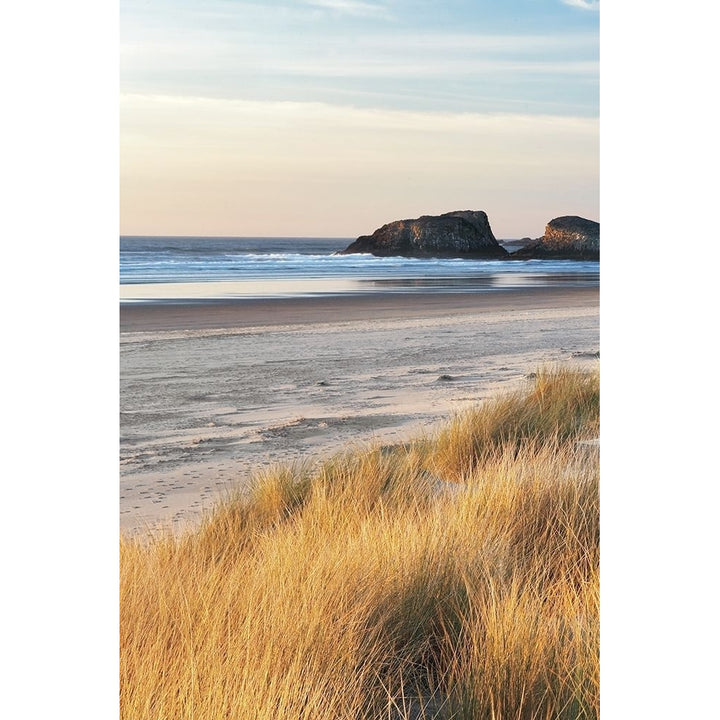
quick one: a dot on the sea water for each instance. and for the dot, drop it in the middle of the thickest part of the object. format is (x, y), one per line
(197, 268)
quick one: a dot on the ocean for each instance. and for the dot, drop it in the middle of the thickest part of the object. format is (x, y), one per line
(180, 269)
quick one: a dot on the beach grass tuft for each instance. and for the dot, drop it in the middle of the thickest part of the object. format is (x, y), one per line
(455, 576)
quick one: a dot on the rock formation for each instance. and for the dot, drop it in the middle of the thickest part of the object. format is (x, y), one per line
(566, 238)
(463, 233)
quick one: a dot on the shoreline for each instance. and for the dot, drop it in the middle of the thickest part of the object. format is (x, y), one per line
(213, 392)
(224, 314)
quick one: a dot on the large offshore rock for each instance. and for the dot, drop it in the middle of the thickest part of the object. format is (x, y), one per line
(566, 238)
(462, 233)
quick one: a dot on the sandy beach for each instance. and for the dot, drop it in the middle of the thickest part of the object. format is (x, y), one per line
(210, 392)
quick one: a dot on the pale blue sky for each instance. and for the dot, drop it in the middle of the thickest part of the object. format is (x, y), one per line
(331, 117)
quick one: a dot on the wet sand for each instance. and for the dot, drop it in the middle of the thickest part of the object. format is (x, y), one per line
(210, 392)
(249, 312)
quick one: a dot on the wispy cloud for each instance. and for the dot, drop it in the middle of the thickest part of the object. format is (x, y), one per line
(479, 42)
(379, 69)
(352, 7)
(239, 117)
(583, 4)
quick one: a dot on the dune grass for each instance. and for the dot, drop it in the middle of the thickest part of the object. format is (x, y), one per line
(452, 577)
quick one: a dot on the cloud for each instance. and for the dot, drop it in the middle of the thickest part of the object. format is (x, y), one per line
(583, 4)
(468, 70)
(183, 116)
(351, 7)
(377, 68)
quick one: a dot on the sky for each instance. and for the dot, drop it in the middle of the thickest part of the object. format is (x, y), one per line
(332, 117)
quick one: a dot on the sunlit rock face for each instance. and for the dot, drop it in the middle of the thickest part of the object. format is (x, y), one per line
(462, 233)
(569, 237)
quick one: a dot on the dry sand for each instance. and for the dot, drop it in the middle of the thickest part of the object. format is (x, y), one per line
(211, 392)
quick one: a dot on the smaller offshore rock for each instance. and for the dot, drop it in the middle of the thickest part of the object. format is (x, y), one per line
(566, 238)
